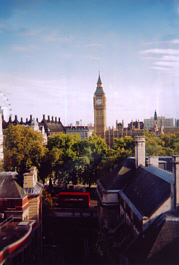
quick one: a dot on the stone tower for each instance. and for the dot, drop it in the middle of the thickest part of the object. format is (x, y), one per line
(99, 103)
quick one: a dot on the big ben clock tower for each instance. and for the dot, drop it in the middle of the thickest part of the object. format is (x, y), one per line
(99, 103)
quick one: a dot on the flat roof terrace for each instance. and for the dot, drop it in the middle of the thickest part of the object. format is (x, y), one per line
(13, 235)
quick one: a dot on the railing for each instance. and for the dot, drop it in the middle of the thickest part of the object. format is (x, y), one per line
(6, 221)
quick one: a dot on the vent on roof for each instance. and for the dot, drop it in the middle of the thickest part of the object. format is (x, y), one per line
(23, 223)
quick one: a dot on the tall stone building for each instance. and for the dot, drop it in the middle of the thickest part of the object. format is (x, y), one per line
(100, 125)
(99, 103)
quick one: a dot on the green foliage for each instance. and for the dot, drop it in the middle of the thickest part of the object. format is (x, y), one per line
(123, 147)
(47, 204)
(94, 149)
(164, 145)
(62, 155)
(69, 158)
(23, 148)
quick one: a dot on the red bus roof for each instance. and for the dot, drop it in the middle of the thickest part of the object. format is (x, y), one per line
(73, 193)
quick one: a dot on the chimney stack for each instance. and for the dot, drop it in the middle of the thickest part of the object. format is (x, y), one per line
(175, 181)
(153, 161)
(140, 151)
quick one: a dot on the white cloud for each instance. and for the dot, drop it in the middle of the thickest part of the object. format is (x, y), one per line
(31, 32)
(165, 69)
(170, 58)
(95, 45)
(161, 51)
(168, 64)
(3, 26)
(20, 48)
(174, 41)
(92, 57)
(23, 48)
(55, 36)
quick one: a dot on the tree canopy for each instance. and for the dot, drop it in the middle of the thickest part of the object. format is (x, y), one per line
(163, 145)
(23, 148)
(69, 158)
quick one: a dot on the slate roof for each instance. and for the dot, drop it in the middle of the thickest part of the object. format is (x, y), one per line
(9, 186)
(149, 189)
(119, 176)
(157, 245)
(54, 127)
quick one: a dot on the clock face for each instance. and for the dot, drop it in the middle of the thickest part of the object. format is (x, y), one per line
(99, 101)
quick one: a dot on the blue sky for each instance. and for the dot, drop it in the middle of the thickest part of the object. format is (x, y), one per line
(51, 52)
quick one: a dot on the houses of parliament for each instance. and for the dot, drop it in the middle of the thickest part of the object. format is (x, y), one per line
(157, 125)
(52, 125)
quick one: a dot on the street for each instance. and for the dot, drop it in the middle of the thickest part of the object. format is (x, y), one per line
(70, 237)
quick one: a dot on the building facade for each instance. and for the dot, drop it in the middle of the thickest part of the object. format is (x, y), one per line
(160, 121)
(83, 131)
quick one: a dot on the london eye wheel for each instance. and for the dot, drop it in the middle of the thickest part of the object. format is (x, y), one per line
(5, 106)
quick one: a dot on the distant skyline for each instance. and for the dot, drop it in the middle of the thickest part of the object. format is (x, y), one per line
(51, 53)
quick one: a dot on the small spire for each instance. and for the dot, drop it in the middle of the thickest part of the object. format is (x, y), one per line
(155, 116)
(99, 83)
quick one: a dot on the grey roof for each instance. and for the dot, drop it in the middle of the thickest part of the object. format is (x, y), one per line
(9, 186)
(163, 174)
(157, 245)
(119, 176)
(149, 189)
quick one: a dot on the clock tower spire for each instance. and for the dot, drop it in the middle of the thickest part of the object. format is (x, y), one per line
(99, 103)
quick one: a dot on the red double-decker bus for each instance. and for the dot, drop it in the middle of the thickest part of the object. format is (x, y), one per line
(74, 199)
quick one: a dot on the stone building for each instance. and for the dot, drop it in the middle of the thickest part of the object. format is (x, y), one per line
(100, 125)
(133, 129)
(161, 121)
(83, 131)
(157, 125)
(136, 202)
(47, 127)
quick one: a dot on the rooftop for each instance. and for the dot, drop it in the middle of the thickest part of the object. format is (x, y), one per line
(12, 231)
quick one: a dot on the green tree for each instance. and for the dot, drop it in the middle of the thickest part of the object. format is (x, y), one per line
(163, 145)
(123, 147)
(63, 154)
(95, 150)
(23, 148)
